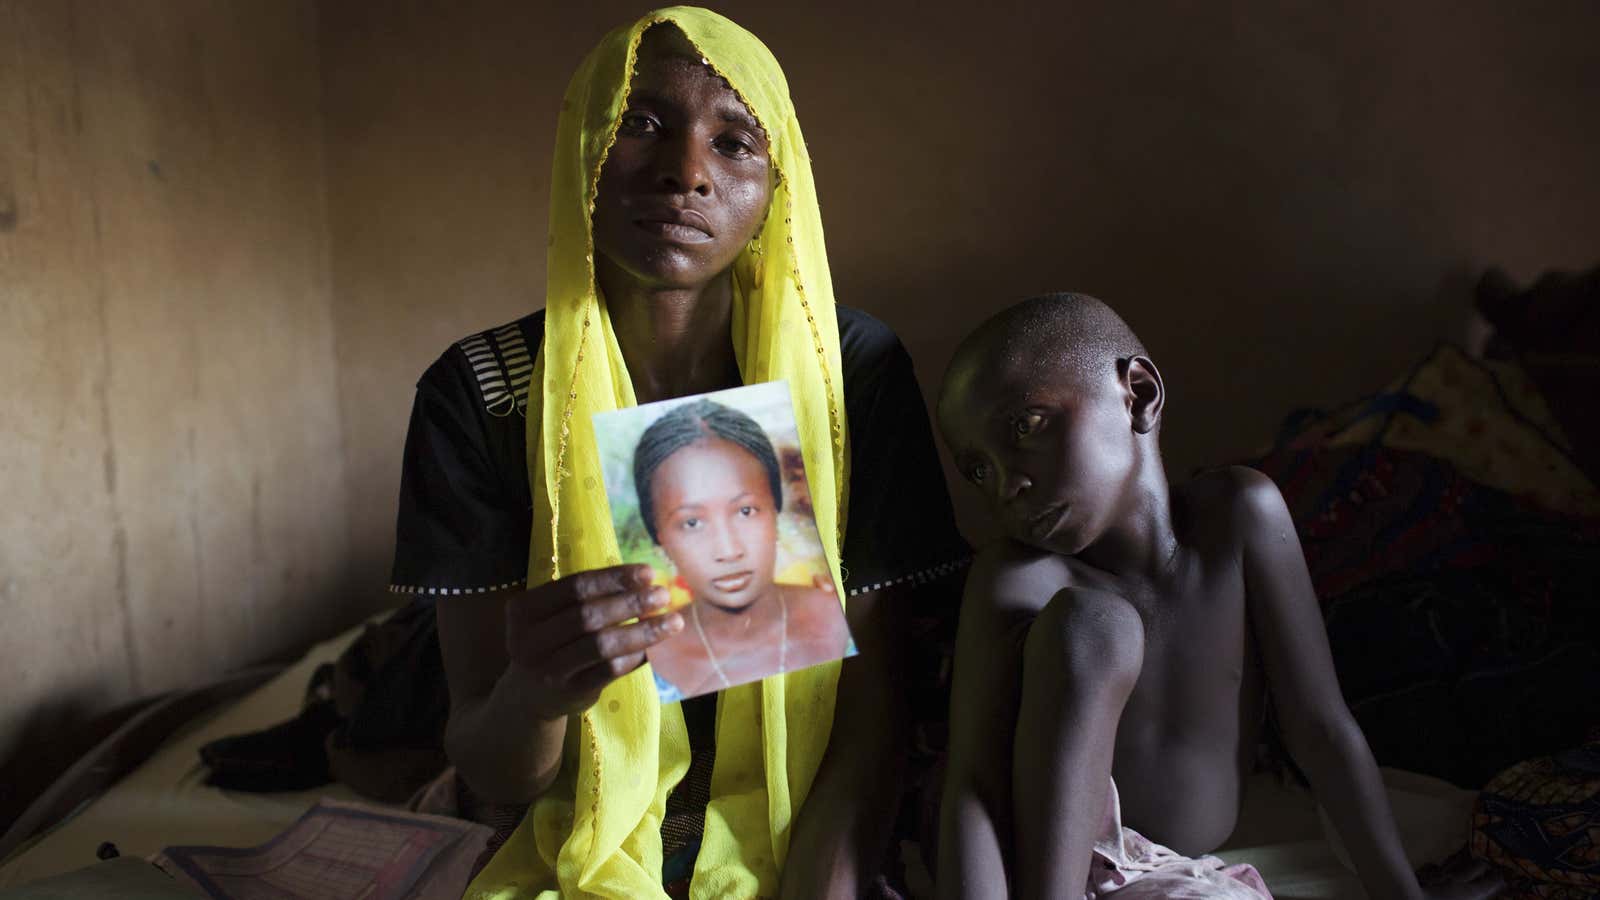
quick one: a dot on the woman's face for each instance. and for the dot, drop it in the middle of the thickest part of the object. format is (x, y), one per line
(686, 184)
(717, 522)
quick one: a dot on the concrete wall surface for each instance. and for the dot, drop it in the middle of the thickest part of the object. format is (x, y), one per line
(172, 489)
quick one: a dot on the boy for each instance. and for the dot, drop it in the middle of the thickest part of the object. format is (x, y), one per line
(1123, 640)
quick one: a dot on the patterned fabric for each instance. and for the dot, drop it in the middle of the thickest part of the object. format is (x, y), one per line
(1461, 616)
(1485, 418)
(1540, 822)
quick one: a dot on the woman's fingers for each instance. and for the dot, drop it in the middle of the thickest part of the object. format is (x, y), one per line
(582, 620)
(594, 616)
(553, 615)
(597, 583)
(571, 637)
(594, 679)
(617, 646)
(555, 599)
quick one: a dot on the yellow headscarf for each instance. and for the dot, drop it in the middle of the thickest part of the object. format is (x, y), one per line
(596, 831)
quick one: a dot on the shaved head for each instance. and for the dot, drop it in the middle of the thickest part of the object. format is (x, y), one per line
(1052, 335)
(1052, 411)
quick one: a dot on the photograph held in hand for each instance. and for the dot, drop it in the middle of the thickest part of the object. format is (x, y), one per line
(710, 491)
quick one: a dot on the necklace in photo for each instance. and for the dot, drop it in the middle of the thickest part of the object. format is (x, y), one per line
(783, 640)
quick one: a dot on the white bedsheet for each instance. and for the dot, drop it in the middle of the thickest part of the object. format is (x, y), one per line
(164, 802)
(1281, 833)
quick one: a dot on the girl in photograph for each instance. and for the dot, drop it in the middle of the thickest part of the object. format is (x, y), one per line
(710, 493)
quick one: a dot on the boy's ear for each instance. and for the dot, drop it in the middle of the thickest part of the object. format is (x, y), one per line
(1147, 395)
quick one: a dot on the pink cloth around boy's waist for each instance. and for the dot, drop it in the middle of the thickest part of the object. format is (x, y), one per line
(1129, 866)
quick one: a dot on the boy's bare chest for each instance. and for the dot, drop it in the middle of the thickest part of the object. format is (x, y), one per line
(1186, 733)
(1199, 673)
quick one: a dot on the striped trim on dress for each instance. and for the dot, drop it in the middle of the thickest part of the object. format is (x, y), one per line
(503, 366)
(922, 576)
(441, 591)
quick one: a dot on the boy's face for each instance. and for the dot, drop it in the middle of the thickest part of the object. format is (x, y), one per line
(1051, 453)
(717, 522)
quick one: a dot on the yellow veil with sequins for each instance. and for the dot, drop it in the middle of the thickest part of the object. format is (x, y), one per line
(596, 831)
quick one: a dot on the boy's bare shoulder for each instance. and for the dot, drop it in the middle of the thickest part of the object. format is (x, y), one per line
(1234, 504)
(1008, 576)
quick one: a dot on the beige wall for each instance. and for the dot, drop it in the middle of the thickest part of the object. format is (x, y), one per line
(1283, 198)
(172, 495)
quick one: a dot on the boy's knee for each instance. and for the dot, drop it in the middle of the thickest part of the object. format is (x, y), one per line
(1086, 634)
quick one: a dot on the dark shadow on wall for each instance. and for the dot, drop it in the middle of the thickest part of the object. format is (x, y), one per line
(50, 738)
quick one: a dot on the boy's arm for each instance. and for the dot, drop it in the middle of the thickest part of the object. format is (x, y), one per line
(843, 829)
(1318, 728)
(975, 813)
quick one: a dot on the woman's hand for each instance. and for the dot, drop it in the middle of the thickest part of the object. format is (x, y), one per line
(571, 637)
(519, 663)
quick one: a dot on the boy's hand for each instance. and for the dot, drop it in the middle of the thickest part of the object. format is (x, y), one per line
(569, 639)
(1460, 878)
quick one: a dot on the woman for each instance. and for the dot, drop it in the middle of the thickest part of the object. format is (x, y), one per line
(710, 491)
(686, 255)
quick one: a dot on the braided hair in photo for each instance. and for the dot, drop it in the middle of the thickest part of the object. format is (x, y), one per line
(689, 424)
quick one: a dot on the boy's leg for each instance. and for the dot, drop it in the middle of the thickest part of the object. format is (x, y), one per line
(1080, 662)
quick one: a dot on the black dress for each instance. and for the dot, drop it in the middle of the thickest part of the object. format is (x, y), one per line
(466, 510)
